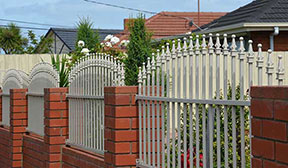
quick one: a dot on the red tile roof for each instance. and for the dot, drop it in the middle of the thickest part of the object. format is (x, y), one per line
(172, 23)
(166, 24)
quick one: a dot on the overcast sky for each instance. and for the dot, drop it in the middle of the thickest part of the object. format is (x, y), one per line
(67, 12)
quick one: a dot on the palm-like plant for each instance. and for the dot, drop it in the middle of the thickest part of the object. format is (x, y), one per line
(11, 41)
(60, 65)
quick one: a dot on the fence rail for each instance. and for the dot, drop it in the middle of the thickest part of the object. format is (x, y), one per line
(193, 109)
(86, 99)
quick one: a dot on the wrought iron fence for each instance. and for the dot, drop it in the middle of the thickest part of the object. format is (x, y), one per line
(87, 80)
(194, 103)
(43, 75)
(13, 79)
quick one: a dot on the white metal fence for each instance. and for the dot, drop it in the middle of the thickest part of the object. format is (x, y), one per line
(13, 79)
(43, 75)
(193, 109)
(86, 99)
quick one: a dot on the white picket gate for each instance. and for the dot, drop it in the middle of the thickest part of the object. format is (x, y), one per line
(13, 79)
(43, 75)
(87, 80)
(193, 109)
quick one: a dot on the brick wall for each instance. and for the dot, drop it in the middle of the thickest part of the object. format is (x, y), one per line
(5, 148)
(33, 151)
(76, 158)
(121, 126)
(269, 110)
(263, 37)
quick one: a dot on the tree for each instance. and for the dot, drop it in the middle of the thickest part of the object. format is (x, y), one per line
(11, 40)
(88, 35)
(40, 46)
(138, 50)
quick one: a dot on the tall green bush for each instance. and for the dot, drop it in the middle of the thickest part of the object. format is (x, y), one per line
(138, 50)
(86, 33)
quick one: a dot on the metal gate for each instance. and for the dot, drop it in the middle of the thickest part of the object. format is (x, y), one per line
(87, 80)
(13, 79)
(43, 75)
(194, 103)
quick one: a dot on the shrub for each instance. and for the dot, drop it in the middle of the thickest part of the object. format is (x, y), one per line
(139, 49)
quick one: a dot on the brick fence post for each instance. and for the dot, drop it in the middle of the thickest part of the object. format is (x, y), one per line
(269, 111)
(56, 125)
(121, 126)
(18, 124)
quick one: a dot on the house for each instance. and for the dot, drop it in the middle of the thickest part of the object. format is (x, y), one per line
(165, 24)
(64, 40)
(263, 21)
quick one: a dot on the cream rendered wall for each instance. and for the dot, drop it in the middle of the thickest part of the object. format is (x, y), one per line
(24, 62)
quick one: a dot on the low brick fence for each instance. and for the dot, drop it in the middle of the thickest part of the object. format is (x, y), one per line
(19, 148)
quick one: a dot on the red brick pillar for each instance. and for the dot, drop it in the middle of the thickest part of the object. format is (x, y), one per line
(269, 111)
(18, 123)
(121, 126)
(56, 124)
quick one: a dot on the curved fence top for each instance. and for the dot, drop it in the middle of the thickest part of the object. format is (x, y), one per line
(14, 79)
(43, 75)
(113, 70)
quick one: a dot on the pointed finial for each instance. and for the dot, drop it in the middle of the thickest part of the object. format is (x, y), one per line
(225, 42)
(167, 52)
(233, 44)
(260, 56)
(158, 58)
(153, 62)
(280, 65)
(179, 48)
(250, 56)
(241, 49)
(191, 45)
(173, 50)
(269, 60)
(280, 70)
(140, 75)
(197, 45)
(163, 55)
(148, 66)
(218, 44)
(144, 72)
(210, 43)
(204, 42)
(122, 75)
(185, 53)
(250, 49)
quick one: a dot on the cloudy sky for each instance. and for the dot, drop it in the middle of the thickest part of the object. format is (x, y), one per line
(68, 12)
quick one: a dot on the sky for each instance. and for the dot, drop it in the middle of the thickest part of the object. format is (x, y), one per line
(67, 12)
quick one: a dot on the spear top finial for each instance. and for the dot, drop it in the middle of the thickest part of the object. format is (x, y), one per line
(204, 41)
(225, 43)
(153, 62)
(210, 43)
(197, 45)
(148, 65)
(233, 44)
(218, 44)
